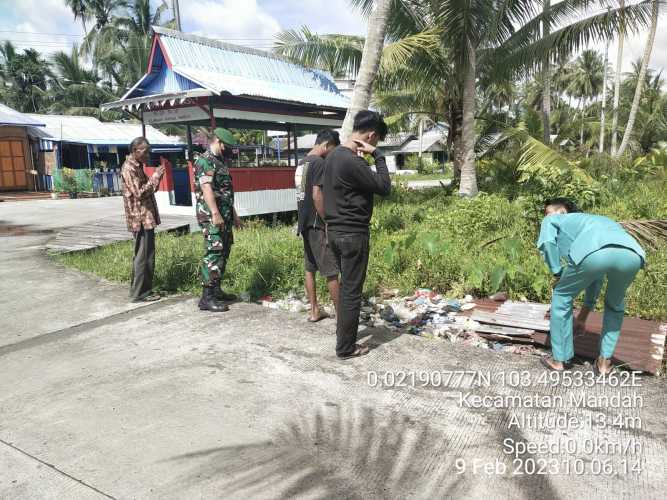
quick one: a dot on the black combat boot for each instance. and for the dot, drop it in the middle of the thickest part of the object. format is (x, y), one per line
(208, 301)
(220, 294)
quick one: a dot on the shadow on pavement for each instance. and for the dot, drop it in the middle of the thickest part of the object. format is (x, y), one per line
(331, 453)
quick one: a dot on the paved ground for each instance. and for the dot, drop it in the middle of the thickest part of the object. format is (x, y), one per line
(102, 400)
(428, 183)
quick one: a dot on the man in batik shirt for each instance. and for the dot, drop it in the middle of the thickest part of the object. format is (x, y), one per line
(142, 217)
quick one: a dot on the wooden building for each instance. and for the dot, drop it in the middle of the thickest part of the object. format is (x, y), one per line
(17, 166)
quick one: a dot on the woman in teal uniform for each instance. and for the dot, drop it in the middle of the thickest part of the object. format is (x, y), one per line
(580, 250)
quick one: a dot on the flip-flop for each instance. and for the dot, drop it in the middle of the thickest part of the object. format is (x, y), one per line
(597, 371)
(323, 315)
(360, 350)
(548, 366)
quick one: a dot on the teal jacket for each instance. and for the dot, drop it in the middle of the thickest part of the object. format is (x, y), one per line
(572, 237)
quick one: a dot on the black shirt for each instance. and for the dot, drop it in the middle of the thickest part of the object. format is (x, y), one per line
(349, 186)
(312, 175)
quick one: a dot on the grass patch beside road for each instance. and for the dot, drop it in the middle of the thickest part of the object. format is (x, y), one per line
(419, 239)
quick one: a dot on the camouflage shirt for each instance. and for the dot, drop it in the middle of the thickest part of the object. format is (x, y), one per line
(209, 169)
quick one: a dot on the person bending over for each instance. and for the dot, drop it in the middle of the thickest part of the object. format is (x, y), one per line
(581, 250)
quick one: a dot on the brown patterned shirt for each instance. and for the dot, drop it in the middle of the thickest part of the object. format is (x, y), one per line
(138, 198)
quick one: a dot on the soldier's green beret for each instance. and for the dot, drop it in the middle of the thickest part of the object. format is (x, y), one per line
(225, 136)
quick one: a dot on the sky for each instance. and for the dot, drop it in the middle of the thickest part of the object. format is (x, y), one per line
(48, 25)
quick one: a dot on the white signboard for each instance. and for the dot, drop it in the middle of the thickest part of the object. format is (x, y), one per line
(175, 115)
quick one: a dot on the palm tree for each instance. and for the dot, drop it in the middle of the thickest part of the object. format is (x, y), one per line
(340, 55)
(80, 10)
(506, 37)
(546, 76)
(499, 39)
(24, 76)
(617, 84)
(640, 81)
(76, 89)
(586, 82)
(122, 41)
(370, 62)
(103, 12)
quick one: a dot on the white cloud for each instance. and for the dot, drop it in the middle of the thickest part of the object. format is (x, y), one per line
(45, 25)
(233, 20)
(633, 49)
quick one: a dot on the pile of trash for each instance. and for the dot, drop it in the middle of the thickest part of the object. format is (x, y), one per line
(425, 313)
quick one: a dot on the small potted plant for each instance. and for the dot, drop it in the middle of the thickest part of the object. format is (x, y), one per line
(69, 183)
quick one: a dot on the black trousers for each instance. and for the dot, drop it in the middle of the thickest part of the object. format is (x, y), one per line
(351, 252)
(143, 264)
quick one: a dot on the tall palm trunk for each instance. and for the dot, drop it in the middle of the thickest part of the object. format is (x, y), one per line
(617, 86)
(581, 126)
(640, 82)
(604, 99)
(546, 91)
(468, 186)
(454, 137)
(370, 62)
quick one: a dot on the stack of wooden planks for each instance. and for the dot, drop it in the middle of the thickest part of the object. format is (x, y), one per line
(640, 347)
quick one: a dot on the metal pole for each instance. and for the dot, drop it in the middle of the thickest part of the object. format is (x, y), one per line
(177, 14)
(296, 147)
(189, 139)
(143, 125)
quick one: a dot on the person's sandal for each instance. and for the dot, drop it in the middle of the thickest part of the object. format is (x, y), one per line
(360, 350)
(545, 362)
(598, 372)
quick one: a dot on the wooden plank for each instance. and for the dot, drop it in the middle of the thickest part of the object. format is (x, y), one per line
(505, 320)
(513, 340)
(505, 330)
(107, 231)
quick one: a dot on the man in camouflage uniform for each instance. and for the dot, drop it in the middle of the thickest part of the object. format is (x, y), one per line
(216, 216)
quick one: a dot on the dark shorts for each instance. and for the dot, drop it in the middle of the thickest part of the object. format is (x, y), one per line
(317, 254)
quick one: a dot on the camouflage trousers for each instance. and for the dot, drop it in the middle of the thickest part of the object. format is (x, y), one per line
(218, 244)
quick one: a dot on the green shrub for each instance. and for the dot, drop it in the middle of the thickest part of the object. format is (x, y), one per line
(418, 239)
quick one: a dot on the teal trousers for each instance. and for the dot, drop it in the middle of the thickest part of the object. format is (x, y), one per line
(620, 266)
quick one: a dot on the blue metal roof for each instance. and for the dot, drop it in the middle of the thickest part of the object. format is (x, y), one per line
(198, 62)
(9, 116)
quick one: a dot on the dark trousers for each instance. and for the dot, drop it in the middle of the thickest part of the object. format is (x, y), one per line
(143, 264)
(351, 252)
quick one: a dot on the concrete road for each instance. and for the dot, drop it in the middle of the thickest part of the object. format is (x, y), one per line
(102, 400)
(428, 183)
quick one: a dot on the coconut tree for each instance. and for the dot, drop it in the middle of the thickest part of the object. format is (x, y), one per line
(617, 83)
(500, 39)
(370, 62)
(546, 78)
(80, 10)
(122, 45)
(75, 89)
(508, 37)
(640, 81)
(25, 78)
(586, 82)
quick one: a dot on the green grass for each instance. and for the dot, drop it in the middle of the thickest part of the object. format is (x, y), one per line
(419, 239)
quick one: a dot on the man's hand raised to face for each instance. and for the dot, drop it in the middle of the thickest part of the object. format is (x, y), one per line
(364, 147)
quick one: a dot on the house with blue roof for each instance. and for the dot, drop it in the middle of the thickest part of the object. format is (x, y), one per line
(203, 82)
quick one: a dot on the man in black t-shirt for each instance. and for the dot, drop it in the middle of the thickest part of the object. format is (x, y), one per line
(317, 254)
(349, 187)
